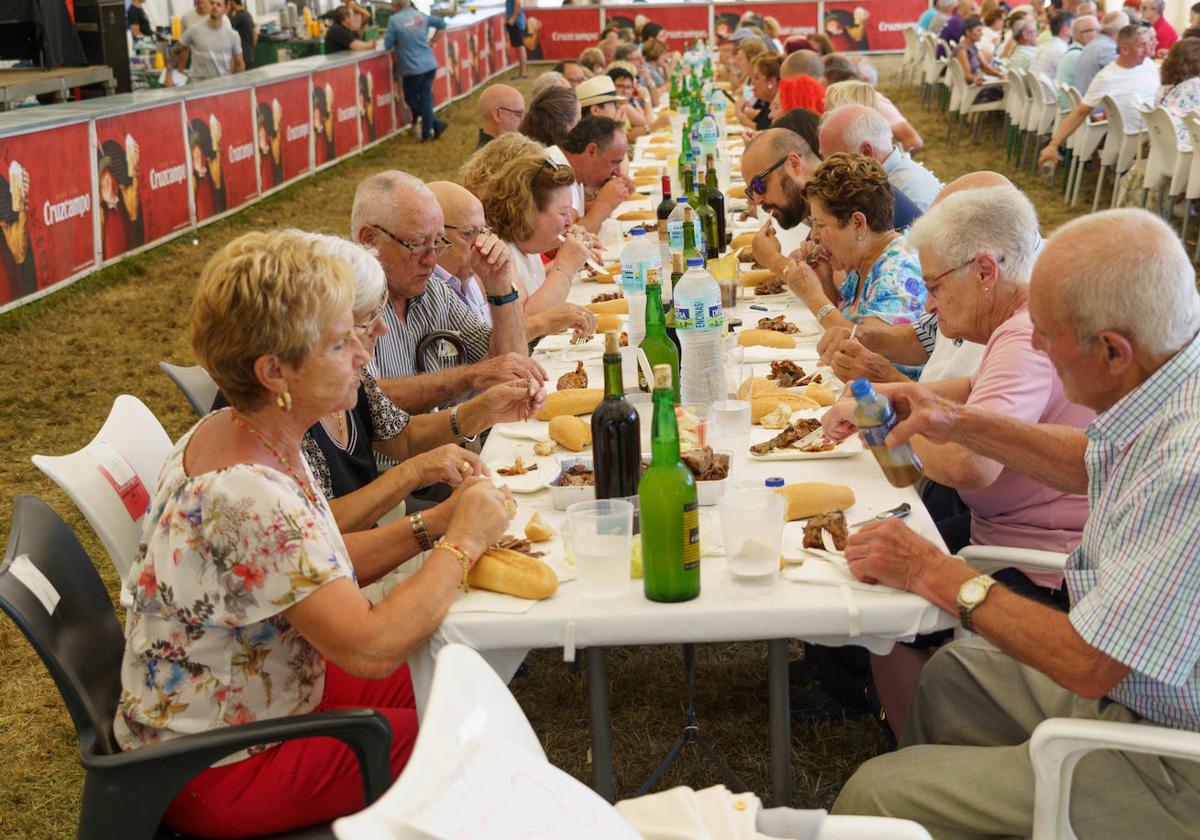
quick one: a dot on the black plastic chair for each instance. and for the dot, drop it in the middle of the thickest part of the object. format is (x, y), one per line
(126, 793)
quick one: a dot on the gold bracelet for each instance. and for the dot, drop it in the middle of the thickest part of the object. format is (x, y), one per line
(420, 531)
(461, 556)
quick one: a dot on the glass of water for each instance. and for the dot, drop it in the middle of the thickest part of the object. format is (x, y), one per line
(752, 530)
(601, 542)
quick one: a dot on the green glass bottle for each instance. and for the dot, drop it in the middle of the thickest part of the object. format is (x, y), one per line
(685, 151)
(687, 176)
(716, 200)
(673, 101)
(708, 219)
(670, 514)
(657, 345)
(691, 245)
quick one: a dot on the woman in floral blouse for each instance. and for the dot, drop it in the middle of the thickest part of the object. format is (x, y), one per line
(246, 602)
(851, 205)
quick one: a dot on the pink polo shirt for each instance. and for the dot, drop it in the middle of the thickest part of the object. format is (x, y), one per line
(1016, 380)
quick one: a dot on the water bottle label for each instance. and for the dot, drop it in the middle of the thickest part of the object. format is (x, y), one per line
(675, 235)
(633, 277)
(874, 435)
(691, 537)
(698, 315)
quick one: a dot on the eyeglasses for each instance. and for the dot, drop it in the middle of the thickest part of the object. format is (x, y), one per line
(436, 245)
(520, 112)
(758, 184)
(469, 233)
(949, 271)
(364, 329)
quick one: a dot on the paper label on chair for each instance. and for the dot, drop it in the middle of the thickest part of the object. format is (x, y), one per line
(121, 477)
(22, 569)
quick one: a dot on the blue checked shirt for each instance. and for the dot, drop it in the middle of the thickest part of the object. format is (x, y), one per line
(1134, 581)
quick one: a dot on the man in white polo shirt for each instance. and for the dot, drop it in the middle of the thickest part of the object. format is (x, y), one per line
(1130, 80)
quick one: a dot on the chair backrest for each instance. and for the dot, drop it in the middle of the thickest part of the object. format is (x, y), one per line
(910, 44)
(195, 383)
(957, 81)
(110, 479)
(51, 590)
(1044, 90)
(1192, 121)
(1164, 147)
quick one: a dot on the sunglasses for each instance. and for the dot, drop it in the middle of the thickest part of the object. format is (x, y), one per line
(758, 184)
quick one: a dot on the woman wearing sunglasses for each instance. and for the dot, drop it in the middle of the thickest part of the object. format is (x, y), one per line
(851, 206)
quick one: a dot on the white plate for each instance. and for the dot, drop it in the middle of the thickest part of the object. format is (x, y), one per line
(848, 448)
(562, 341)
(530, 482)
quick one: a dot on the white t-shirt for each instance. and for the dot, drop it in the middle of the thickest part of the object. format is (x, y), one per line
(555, 154)
(951, 361)
(530, 268)
(887, 110)
(1047, 57)
(1128, 86)
(212, 50)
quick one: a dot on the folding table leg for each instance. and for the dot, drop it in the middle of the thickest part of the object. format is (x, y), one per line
(780, 714)
(597, 682)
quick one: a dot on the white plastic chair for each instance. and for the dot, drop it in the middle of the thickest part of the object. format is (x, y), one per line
(1168, 162)
(1046, 110)
(910, 62)
(195, 383)
(933, 69)
(1121, 149)
(130, 448)
(964, 99)
(1084, 142)
(1057, 746)
(1192, 121)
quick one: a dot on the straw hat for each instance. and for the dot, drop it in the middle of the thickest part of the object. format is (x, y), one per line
(597, 91)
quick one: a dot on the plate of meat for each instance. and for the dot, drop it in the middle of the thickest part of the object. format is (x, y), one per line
(800, 441)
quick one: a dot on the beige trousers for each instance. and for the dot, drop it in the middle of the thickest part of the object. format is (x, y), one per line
(963, 770)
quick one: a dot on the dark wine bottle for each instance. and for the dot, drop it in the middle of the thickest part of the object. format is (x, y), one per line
(616, 441)
(716, 200)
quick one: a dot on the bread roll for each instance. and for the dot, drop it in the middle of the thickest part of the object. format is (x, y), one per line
(536, 529)
(648, 171)
(758, 385)
(810, 498)
(610, 279)
(763, 405)
(513, 573)
(766, 338)
(620, 306)
(646, 181)
(742, 240)
(661, 140)
(820, 393)
(757, 276)
(607, 323)
(572, 432)
(637, 216)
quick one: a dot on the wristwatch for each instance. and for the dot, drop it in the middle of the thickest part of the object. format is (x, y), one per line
(500, 300)
(970, 595)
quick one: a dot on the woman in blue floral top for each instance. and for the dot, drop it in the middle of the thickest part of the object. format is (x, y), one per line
(246, 604)
(850, 205)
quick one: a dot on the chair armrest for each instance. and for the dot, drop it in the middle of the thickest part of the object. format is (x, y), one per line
(989, 558)
(1057, 746)
(126, 793)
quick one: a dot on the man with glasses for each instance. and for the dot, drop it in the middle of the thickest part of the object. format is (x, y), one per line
(1084, 31)
(501, 109)
(775, 166)
(400, 218)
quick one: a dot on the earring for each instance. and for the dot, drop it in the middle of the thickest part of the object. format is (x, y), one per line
(284, 401)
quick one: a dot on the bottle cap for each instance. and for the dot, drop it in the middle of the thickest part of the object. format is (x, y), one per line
(683, 199)
(695, 262)
(637, 231)
(774, 481)
(860, 388)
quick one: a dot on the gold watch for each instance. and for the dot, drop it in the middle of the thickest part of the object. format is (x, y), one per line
(970, 595)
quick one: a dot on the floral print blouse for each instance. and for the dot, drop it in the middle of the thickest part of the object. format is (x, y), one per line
(223, 555)
(1179, 100)
(893, 292)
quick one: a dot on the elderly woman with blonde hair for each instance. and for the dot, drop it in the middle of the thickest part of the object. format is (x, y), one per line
(852, 91)
(483, 165)
(245, 599)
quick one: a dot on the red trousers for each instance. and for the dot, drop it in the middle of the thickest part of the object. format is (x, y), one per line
(302, 782)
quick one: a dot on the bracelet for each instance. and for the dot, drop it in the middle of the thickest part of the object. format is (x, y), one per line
(457, 429)
(461, 556)
(500, 300)
(420, 531)
(825, 310)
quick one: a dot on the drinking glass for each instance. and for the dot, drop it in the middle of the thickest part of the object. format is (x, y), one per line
(729, 419)
(752, 530)
(601, 542)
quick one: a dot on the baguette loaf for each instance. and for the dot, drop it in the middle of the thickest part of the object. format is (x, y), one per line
(620, 306)
(766, 338)
(810, 498)
(637, 216)
(605, 278)
(608, 323)
(763, 405)
(571, 431)
(756, 276)
(820, 393)
(513, 573)
(646, 181)
(570, 401)
(742, 240)
(647, 171)
(757, 386)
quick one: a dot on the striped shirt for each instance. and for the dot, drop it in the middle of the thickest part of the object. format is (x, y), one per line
(1134, 581)
(926, 329)
(437, 308)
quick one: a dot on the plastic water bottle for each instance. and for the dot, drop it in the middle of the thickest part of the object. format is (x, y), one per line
(710, 136)
(641, 263)
(699, 322)
(875, 418)
(675, 238)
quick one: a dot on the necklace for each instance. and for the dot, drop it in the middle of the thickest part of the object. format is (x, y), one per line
(338, 429)
(238, 420)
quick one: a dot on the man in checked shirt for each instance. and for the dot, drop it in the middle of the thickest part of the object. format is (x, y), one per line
(1120, 325)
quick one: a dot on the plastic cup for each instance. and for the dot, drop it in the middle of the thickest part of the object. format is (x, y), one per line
(729, 419)
(752, 530)
(601, 542)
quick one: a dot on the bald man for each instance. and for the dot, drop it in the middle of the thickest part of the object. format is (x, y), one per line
(859, 130)
(398, 216)
(458, 266)
(501, 109)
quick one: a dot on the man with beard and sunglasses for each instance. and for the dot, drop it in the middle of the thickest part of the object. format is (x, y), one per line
(776, 165)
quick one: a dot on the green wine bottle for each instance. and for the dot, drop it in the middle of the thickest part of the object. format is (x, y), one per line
(670, 513)
(708, 219)
(716, 200)
(657, 345)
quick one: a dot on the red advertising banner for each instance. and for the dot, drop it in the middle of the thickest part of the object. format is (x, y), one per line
(481, 49)
(458, 73)
(376, 107)
(794, 18)
(870, 24)
(562, 33)
(284, 124)
(45, 209)
(142, 178)
(684, 24)
(502, 56)
(334, 113)
(221, 142)
(441, 79)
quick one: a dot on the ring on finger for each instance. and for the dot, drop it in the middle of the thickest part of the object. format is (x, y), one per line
(465, 467)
